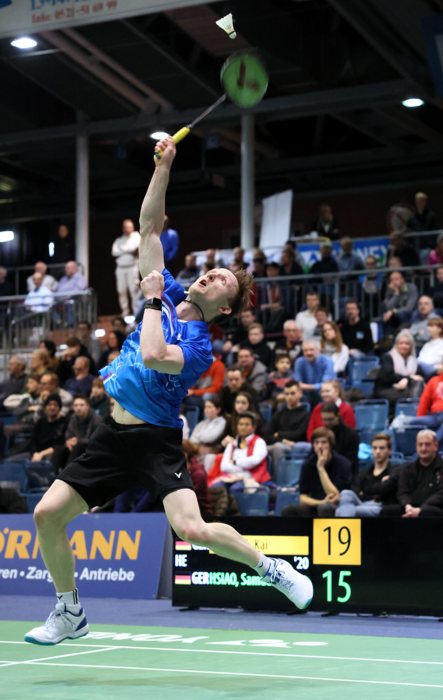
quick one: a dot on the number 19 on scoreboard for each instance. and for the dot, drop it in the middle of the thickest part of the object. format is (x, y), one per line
(337, 542)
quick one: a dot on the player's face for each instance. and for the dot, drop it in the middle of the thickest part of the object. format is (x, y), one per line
(218, 286)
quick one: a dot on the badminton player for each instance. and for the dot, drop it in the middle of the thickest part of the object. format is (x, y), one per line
(159, 361)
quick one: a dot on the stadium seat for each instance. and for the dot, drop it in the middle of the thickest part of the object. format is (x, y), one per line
(253, 501)
(359, 369)
(14, 472)
(405, 439)
(406, 407)
(286, 497)
(371, 415)
(266, 411)
(287, 470)
(31, 500)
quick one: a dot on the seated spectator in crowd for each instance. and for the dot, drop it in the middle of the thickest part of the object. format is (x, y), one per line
(41, 298)
(51, 349)
(79, 429)
(397, 377)
(399, 302)
(289, 266)
(326, 224)
(81, 382)
(210, 383)
(114, 341)
(258, 267)
(48, 281)
(375, 487)
(199, 477)
(257, 343)
(48, 431)
(190, 272)
(118, 323)
(287, 426)
(355, 332)
(235, 383)
(347, 260)
(88, 339)
(253, 371)
(238, 258)
(429, 410)
(243, 404)
(311, 370)
(430, 357)
(437, 294)
(404, 251)
(6, 285)
(74, 349)
(272, 302)
(419, 320)
(209, 432)
(435, 257)
(16, 381)
(71, 284)
(333, 346)
(40, 362)
(291, 342)
(331, 392)
(324, 474)
(420, 483)
(24, 406)
(49, 384)
(278, 379)
(99, 399)
(321, 316)
(371, 283)
(240, 334)
(423, 218)
(327, 262)
(346, 439)
(244, 461)
(306, 320)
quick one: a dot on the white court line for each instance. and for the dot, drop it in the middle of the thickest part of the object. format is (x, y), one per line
(249, 653)
(60, 656)
(199, 672)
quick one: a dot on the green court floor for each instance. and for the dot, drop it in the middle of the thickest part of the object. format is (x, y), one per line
(128, 663)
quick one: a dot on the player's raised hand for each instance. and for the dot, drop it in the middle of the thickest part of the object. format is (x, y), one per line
(152, 285)
(164, 152)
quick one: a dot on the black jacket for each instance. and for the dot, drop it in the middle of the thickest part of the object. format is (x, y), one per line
(376, 488)
(357, 336)
(419, 485)
(289, 423)
(338, 469)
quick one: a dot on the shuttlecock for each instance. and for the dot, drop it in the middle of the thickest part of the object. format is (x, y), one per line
(227, 24)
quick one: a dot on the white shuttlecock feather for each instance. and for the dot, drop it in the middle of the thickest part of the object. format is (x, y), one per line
(227, 24)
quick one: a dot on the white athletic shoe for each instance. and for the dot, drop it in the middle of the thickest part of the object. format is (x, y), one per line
(295, 586)
(61, 624)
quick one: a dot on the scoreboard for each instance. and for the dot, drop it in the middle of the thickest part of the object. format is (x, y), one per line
(372, 565)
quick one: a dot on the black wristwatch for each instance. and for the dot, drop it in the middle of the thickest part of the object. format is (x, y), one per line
(153, 303)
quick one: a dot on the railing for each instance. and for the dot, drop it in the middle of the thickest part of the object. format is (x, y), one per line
(20, 274)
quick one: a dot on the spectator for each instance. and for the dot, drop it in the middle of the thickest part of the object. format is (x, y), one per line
(291, 342)
(209, 431)
(399, 302)
(73, 349)
(420, 483)
(430, 357)
(40, 362)
(289, 266)
(327, 262)
(238, 258)
(118, 324)
(419, 320)
(374, 487)
(371, 283)
(402, 250)
(199, 477)
(257, 343)
(429, 410)
(321, 316)
(72, 281)
(79, 429)
(114, 341)
(312, 370)
(272, 306)
(190, 272)
(24, 406)
(235, 384)
(47, 280)
(16, 382)
(170, 241)
(41, 298)
(330, 392)
(125, 250)
(356, 333)
(50, 347)
(326, 223)
(306, 320)
(332, 345)
(346, 259)
(48, 432)
(423, 219)
(437, 293)
(81, 383)
(253, 371)
(64, 247)
(243, 403)
(210, 382)
(6, 285)
(324, 474)
(288, 426)
(435, 257)
(346, 439)
(88, 339)
(99, 399)
(397, 377)
(49, 384)
(258, 268)
(240, 335)
(278, 379)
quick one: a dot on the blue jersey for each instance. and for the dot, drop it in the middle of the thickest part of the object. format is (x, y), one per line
(155, 397)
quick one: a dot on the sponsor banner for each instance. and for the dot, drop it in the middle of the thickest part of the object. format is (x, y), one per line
(378, 247)
(31, 16)
(117, 555)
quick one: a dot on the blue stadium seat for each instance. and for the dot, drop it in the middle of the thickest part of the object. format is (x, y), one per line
(266, 412)
(253, 501)
(406, 407)
(286, 497)
(405, 439)
(14, 472)
(359, 369)
(287, 470)
(371, 414)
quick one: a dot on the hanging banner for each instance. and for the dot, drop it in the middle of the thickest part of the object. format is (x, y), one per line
(117, 555)
(19, 17)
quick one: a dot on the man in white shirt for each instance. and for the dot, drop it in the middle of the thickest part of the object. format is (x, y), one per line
(40, 298)
(125, 252)
(306, 320)
(48, 280)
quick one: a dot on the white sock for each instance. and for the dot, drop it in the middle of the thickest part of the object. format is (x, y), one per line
(70, 599)
(265, 565)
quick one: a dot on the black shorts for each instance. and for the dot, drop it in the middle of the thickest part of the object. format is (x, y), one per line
(119, 456)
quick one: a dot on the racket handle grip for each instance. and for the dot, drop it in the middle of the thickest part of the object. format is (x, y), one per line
(177, 137)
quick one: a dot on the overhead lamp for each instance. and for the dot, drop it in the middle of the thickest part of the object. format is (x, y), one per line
(24, 42)
(413, 102)
(6, 236)
(158, 135)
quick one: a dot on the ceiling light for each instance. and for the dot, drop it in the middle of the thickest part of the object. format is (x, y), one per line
(24, 42)
(6, 236)
(413, 102)
(158, 135)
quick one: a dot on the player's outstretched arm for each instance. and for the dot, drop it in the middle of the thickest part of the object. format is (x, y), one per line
(152, 214)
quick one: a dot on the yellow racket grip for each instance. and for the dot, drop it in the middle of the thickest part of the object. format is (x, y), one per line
(177, 137)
